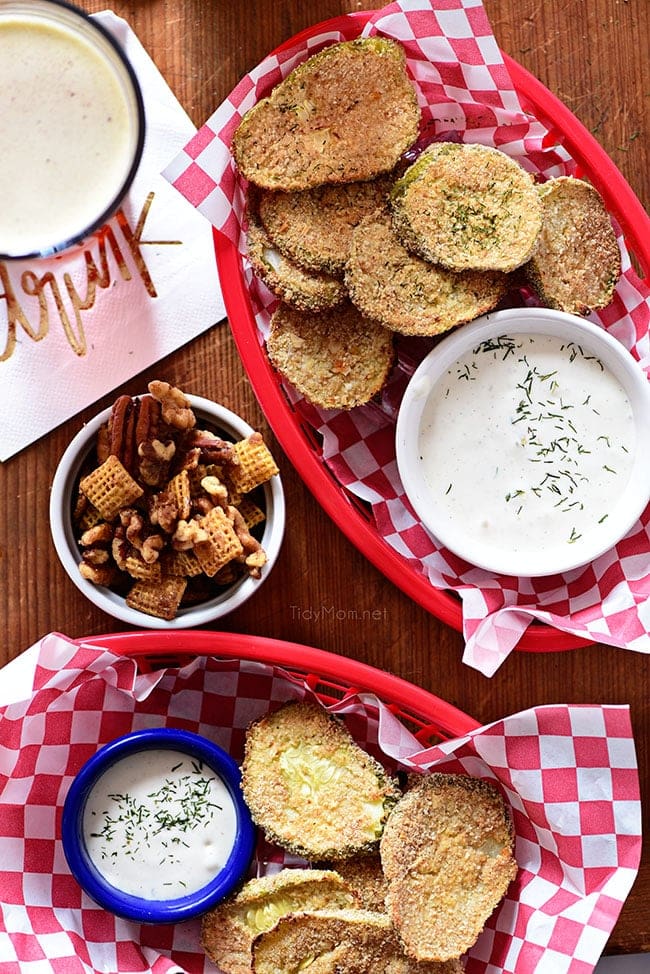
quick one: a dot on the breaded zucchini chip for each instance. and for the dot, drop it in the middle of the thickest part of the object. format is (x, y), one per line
(314, 227)
(338, 359)
(576, 261)
(467, 207)
(447, 854)
(347, 113)
(305, 290)
(227, 932)
(310, 787)
(337, 942)
(365, 877)
(410, 295)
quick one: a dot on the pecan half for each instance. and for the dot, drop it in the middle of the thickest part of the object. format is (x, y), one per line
(121, 432)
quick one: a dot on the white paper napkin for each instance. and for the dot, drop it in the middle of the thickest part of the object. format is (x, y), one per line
(163, 290)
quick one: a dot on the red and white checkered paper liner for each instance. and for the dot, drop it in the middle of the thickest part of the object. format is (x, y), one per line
(569, 774)
(465, 93)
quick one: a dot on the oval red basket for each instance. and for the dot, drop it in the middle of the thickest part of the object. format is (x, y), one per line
(328, 675)
(298, 439)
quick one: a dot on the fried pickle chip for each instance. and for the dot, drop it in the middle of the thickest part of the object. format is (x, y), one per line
(576, 261)
(314, 227)
(337, 942)
(228, 931)
(311, 788)
(467, 207)
(410, 295)
(338, 359)
(365, 876)
(303, 289)
(345, 114)
(447, 854)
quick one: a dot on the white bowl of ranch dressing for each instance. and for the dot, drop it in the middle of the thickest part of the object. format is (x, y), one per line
(155, 828)
(523, 442)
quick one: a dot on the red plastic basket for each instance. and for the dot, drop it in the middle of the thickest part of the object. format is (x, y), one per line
(298, 439)
(329, 676)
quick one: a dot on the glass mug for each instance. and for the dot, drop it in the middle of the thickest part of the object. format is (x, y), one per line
(71, 127)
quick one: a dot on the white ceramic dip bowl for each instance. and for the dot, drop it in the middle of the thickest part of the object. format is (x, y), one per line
(523, 442)
(224, 600)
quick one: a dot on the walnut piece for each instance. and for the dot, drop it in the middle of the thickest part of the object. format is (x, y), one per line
(188, 534)
(151, 548)
(101, 533)
(155, 458)
(253, 555)
(96, 556)
(120, 548)
(163, 511)
(98, 574)
(217, 491)
(176, 410)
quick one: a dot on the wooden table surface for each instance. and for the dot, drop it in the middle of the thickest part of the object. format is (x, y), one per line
(594, 55)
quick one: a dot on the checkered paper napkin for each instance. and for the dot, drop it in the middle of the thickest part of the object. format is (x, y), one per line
(568, 773)
(465, 93)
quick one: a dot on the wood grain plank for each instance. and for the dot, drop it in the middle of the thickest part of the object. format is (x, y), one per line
(323, 592)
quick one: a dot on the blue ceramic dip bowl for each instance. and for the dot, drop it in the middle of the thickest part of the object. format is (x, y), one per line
(155, 828)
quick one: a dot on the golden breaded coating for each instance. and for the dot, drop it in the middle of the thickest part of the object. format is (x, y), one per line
(337, 942)
(365, 876)
(467, 207)
(314, 227)
(408, 294)
(338, 359)
(228, 931)
(304, 289)
(345, 114)
(576, 262)
(447, 854)
(310, 787)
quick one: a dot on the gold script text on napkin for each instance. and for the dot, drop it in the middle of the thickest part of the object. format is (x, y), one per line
(98, 274)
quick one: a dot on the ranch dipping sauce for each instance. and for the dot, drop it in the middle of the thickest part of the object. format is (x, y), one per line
(67, 132)
(526, 443)
(159, 824)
